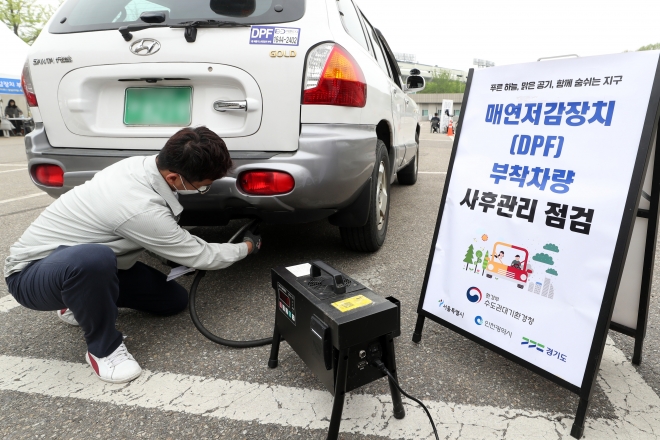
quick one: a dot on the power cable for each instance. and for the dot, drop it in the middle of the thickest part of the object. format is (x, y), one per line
(381, 366)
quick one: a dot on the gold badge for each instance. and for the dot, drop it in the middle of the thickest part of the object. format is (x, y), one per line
(283, 53)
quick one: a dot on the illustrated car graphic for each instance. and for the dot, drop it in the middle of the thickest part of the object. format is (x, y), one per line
(500, 263)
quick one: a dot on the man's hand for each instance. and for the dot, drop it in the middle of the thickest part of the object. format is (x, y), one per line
(253, 242)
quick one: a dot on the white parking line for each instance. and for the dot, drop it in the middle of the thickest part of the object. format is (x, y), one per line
(11, 171)
(636, 405)
(16, 164)
(7, 303)
(23, 198)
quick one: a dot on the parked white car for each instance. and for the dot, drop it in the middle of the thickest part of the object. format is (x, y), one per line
(306, 94)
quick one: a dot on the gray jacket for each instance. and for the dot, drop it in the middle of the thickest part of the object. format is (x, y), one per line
(13, 112)
(129, 208)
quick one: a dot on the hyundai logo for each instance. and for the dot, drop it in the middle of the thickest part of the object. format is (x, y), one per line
(145, 46)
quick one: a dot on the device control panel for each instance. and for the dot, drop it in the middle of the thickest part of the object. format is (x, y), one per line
(286, 303)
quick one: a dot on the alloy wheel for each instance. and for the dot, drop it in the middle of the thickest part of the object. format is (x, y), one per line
(382, 195)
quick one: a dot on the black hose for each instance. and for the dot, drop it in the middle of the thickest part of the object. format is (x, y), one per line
(195, 318)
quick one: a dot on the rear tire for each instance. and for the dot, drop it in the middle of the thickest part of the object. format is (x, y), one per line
(370, 237)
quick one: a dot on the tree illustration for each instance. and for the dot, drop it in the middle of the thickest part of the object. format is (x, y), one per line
(551, 247)
(485, 265)
(469, 257)
(479, 254)
(543, 258)
(552, 272)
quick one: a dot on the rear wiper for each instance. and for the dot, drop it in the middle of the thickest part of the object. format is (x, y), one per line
(189, 26)
(190, 32)
(126, 30)
(209, 23)
(150, 18)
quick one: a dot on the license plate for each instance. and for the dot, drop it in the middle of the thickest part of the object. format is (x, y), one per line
(158, 106)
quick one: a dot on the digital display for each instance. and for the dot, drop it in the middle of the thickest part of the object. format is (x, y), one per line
(284, 298)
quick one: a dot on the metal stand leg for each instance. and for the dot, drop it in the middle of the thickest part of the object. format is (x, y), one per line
(399, 411)
(637, 353)
(578, 425)
(340, 391)
(417, 334)
(275, 349)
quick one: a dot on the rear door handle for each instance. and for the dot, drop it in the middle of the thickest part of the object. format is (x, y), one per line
(222, 106)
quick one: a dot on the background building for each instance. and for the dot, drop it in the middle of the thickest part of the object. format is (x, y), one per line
(408, 61)
(430, 103)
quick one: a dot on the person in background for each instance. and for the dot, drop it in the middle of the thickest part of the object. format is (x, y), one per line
(12, 111)
(435, 123)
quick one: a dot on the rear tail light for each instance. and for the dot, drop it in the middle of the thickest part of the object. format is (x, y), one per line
(266, 183)
(28, 88)
(333, 77)
(48, 174)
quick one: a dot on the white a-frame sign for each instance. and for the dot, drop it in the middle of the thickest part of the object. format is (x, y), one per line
(538, 209)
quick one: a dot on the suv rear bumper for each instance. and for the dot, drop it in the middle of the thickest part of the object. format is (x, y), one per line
(331, 166)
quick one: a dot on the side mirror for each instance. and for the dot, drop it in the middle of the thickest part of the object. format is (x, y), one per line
(415, 83)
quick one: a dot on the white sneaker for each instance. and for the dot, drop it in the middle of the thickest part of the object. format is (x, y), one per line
(118, 367)
(66, 315)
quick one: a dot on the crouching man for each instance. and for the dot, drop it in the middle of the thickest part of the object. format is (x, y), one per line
(79, 256)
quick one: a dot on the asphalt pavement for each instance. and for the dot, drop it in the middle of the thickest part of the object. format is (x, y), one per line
(193, 388)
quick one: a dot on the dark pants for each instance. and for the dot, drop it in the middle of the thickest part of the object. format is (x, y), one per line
(85, 279)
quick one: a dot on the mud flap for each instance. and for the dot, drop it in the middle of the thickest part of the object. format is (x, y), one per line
(357, 213)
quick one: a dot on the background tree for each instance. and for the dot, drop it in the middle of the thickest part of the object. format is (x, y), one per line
(655, 46)
(469, 257)
(25, 18)
(479, 254)
(444, 84)
(485, 265)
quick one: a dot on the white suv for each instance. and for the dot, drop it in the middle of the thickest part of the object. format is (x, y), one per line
(306, 94)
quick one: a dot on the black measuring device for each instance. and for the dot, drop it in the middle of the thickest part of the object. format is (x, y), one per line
(343, 331)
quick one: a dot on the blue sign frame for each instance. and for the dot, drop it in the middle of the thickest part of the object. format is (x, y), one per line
(10, 86)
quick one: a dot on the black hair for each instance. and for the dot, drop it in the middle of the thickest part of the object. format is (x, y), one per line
(234, 8)
(517, 256)
(197, 154)
(10, 101)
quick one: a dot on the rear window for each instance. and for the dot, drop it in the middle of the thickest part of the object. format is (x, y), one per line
(95, 15)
